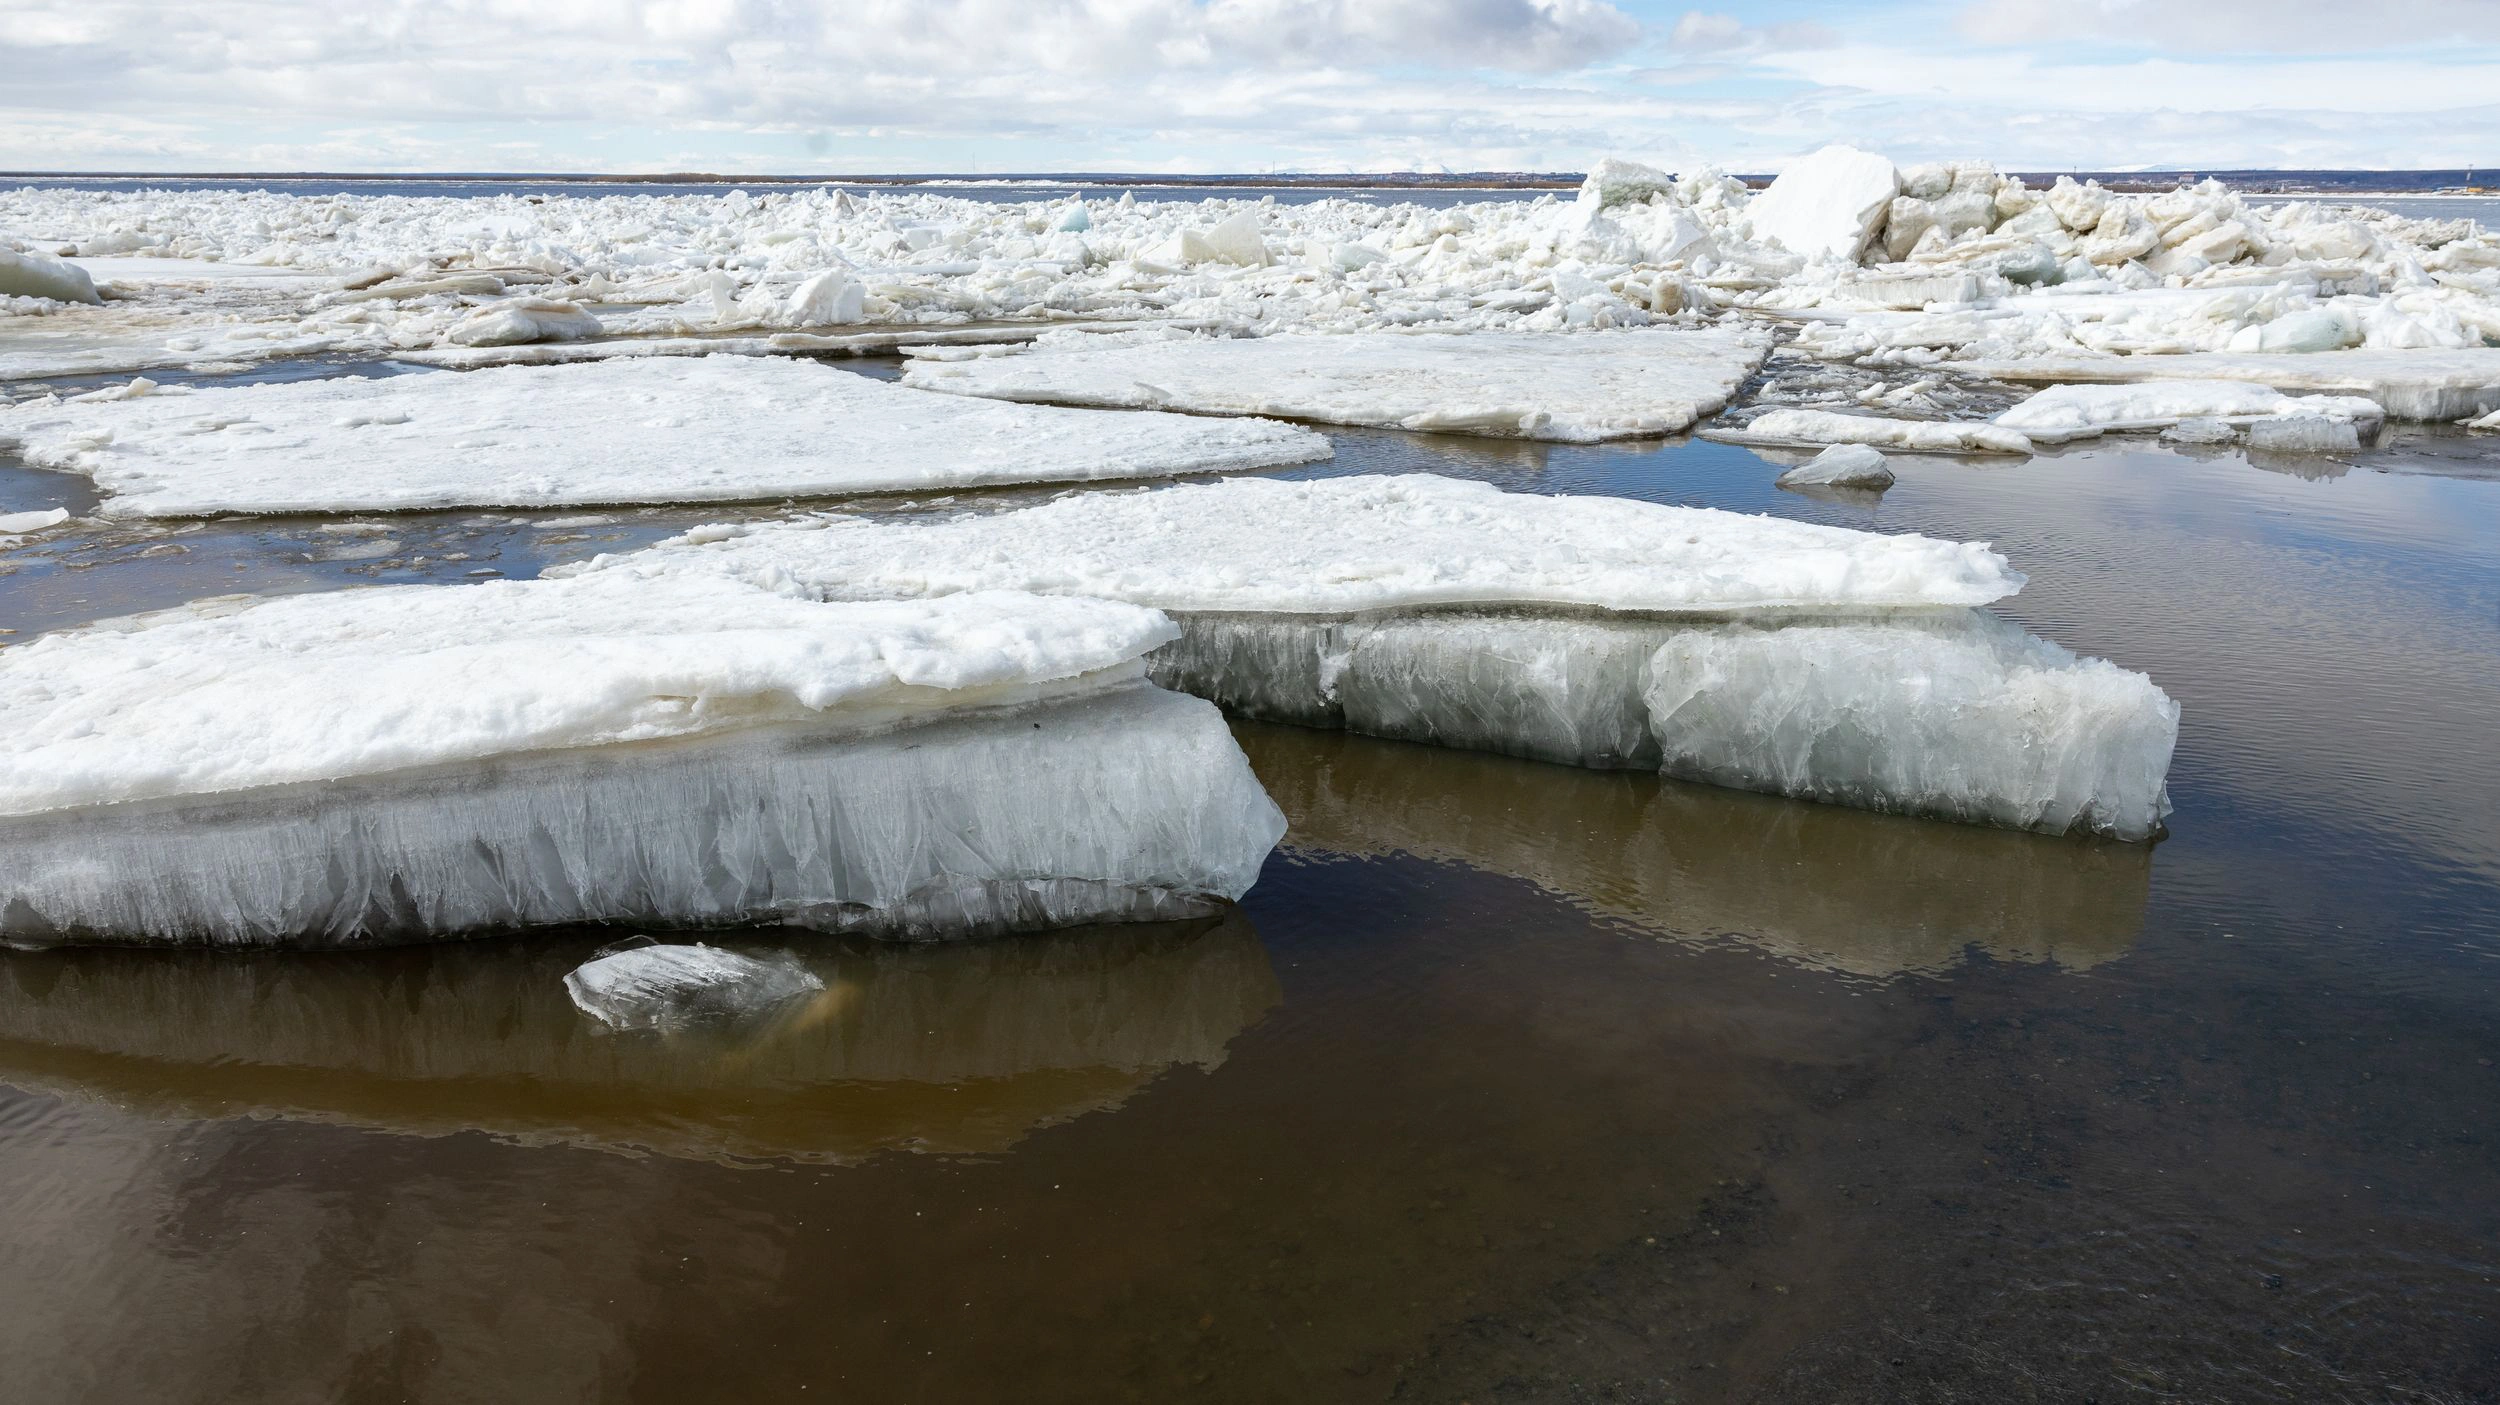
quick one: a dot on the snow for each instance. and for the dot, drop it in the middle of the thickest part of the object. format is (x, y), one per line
(1786, 427)
(225, 696)
(1827, 205)
(2065, 412)
(644, 430)
(1841, 466)
(12, 523)
(1115, 803)
(1966, 719)
(1578, 389)
(677, 986)
(1342, 545)
(33, 275)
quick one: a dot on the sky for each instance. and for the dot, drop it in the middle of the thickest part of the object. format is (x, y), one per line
(885, 86)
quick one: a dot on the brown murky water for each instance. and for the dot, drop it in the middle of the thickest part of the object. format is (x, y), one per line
(1508, 1083)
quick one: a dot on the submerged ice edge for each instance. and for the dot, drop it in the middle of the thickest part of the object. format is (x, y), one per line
(1128, 805)
(1956, 716)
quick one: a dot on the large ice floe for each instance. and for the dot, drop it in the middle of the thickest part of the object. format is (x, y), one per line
(424, 761)
(709, 429)
(1752, 652)
(945, 1048)
(1615, 385)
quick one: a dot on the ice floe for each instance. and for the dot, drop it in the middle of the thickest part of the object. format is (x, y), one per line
(435, 760)
(633, 431)
(1587, 631)
(1579, 389)
(2067, 412)
(1355, 544)
(2408, 385)
(1785, 428)
(32, 275)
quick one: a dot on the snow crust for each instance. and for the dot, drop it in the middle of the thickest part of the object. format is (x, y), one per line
(2067, 412)
(1842, 466)
(644, 430)
(1342, 545)
(1580, 389)
(1124, 803)
(229, 695)
(681, 985)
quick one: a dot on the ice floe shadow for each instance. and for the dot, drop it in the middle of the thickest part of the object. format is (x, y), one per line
(961, 1049)
(1857, 894)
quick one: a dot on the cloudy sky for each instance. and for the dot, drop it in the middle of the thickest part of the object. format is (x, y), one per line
(761, 86)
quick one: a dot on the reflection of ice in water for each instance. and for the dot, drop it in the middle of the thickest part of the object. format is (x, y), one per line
(956, 1048)
(1841, 890)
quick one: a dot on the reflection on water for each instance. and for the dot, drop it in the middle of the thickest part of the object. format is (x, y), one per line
(948, 1048)
(1839, 890)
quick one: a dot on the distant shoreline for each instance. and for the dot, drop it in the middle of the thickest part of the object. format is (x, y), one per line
(2442, 183)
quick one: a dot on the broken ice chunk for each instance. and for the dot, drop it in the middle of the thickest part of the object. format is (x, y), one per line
(1533, 385)
(2304, 434)
(671, 987)
(639, 430)
(2065, 412)
(1826, 205)
(1794, 427)
(2200, 431)
(1842, 466)
(32, 275)
(12, 523)
(519, 321)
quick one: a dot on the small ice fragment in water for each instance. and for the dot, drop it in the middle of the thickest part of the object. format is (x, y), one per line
(2304, 434)
(2200, 431)
(1841, 466)
(13, 523)
(669, 987)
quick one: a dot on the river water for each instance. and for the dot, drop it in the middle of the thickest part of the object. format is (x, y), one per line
(1509, 1082)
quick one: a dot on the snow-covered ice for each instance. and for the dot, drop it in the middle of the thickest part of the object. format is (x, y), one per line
(229, 695)
(1346, 545)
(1339, 603)
(2408, 385)
(1842, 466)
(643, 430)
(1784, 428)
(429, 761)
(676, 985)
(2066, 412)
(1578, 389)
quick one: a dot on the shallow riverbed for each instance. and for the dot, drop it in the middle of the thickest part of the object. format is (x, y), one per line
(1508, 1081)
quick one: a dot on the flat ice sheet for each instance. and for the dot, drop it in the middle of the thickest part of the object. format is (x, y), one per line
(220, 697)
(642, 430)
(2431, 384)
(2064, 412)
(1349, 544)
(1528, 385)
(1818, 427)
